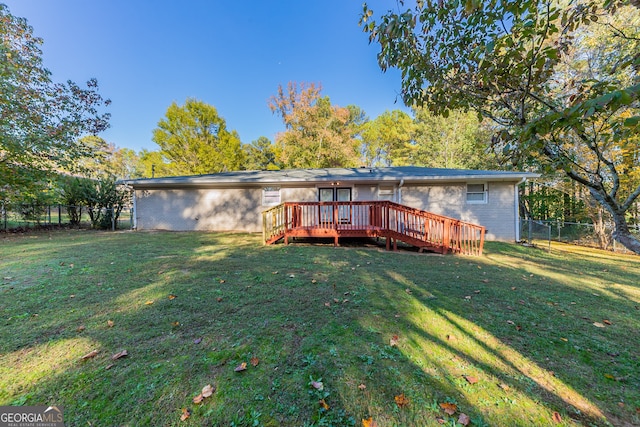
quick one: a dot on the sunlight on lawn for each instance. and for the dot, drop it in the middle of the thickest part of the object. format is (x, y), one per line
(22, 369)
(443, 342)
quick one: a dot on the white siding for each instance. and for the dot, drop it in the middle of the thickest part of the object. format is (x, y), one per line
(497, 215)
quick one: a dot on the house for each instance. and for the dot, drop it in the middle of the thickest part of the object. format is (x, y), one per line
(234, 201)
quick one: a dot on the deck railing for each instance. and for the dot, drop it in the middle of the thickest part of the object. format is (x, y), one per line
(375, 219)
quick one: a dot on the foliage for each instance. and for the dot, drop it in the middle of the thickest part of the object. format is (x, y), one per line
(386, 138)
(318, 134)
(104, 200)
(509, 338)
(41, 120)
(73, 195)
(507, 60)
(194, 140)
(260, 155)
(458, 141)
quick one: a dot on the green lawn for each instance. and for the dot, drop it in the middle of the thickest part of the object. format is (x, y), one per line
(518, 337)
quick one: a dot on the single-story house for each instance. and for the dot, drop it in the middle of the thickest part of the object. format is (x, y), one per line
(234, 201)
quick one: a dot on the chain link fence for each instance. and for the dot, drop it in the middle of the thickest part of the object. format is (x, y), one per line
(541, 233)
(29, 217)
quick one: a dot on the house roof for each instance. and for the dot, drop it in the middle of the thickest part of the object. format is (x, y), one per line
(407, 174)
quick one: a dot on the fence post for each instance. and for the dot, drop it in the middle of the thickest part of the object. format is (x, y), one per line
(131, 218)
(113, 219)
(530, 230)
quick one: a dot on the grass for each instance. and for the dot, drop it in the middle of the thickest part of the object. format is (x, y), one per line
(518, 337)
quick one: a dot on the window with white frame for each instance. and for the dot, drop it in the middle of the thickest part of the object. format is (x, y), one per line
(271, 196)
(477, 193)
(386, 192)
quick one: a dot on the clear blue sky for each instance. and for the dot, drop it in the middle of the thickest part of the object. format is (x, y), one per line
(230, 54)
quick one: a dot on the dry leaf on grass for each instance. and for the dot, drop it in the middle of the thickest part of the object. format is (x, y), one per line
(556, 417)
(241, 367)
(90, 355)
(148, 302)
(119, 355)
(362, 387)
(470, 379)
(393, 342)
(598, 325)
(464, 419)
(198, 399)
(369, 422)
(172, 296)
(401, 400)
(81, 328)
(186, 413)
(449, 408)
(317, 385)
(254, 361)
(324, 405)
(110, 323)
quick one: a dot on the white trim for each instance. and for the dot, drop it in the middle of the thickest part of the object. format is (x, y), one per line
(272, 189)
(517, 211)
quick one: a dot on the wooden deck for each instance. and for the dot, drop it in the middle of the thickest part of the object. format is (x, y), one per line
(394, 222)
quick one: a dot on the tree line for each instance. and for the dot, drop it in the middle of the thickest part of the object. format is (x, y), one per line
(534, 85)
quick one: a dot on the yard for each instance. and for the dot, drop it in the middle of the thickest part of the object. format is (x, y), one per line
(305, 335)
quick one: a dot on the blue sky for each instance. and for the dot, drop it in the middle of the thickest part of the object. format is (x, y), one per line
(230, 54)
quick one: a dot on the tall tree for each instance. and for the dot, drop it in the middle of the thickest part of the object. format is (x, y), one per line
(194, 139)
(457, 141)
(318, 134)
(260, 155)
(40, 121)
(501, 58)
(385, 138)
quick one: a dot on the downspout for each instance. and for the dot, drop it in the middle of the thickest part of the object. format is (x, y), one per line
(400, 190)
(517, 208)
(135, 211)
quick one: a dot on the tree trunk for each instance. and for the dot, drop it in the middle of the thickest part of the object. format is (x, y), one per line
(623, 235)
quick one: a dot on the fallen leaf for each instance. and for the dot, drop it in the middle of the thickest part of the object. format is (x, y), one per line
(598, 325)
(241, 367)
(401, 400)
(511, 322)
(327, 304)
(148, 302)
(119, 355)
(449, 408)
(464, 419)
(440, 420)
(564, 339)
(369, 423)
(219, 299)
(393, 342)
(186, 413)
(362, 387)
(314, 281)
(109, 367)
(110, 323)
(317, 385)
(336, 300)
(451, 338)
(81, 328)
(518, 328)
(172, 296)
(254, 361)
(197, 341)
(408, 291)
(607, 322)
(324, 404)
(504, 386)
(222, 280)
(485, 280)
(90, 355)
(198, 399)
(609, 376)
(175, 324)
(470, 379)
(208, 390)
(556, 417)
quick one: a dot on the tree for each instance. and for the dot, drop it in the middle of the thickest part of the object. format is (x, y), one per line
(385, 139)
(502, 59)
(194, 139)
(318, 134)
(457, 141)
(260, 155)
(40, 121)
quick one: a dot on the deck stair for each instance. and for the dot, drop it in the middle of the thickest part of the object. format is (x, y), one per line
(393, 221)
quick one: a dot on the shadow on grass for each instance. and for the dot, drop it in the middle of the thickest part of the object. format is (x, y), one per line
(189, 308)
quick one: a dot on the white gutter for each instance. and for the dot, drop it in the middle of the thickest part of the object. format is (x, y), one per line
(135, 211)
(400, 190)
(517, 208)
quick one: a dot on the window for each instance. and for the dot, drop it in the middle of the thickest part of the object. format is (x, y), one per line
(385, 192)
(477, 193)
(271, 196)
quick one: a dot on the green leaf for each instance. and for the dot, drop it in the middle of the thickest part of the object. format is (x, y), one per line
(632, 121)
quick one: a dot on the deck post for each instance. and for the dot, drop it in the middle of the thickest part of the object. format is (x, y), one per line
(446, 236)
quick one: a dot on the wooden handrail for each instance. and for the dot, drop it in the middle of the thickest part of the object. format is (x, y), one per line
(372, 218)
